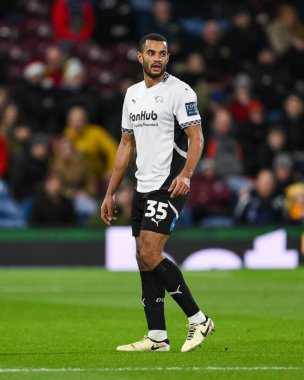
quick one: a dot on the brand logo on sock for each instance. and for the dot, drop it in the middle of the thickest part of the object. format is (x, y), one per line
(143, 302)
(177, 291)
(160, 300)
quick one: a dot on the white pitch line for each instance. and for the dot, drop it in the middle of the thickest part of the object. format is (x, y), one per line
(142, 369)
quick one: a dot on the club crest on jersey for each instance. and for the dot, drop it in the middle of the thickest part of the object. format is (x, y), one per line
(191, 108)
(158, 99)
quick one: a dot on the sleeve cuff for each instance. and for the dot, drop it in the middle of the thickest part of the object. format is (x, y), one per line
(189, 123)
(125, 130)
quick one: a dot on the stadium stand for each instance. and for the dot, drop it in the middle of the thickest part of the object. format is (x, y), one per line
(245, 63)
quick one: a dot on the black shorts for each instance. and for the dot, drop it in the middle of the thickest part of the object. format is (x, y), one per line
(155, 211)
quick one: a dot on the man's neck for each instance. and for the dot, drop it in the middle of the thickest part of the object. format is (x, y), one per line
(152, 81)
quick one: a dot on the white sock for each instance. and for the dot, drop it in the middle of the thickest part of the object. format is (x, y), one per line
(199, 317)
(158, 335)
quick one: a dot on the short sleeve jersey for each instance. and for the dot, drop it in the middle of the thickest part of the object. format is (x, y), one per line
(157, 116)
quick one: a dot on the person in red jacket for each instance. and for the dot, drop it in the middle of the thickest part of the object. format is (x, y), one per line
(72, 20)
(3, 156)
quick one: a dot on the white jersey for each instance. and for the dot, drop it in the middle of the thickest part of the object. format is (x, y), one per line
(157, 117)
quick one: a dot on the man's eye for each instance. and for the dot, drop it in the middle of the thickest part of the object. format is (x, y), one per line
(163, 54)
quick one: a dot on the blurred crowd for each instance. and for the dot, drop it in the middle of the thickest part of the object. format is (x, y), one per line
(65, 66)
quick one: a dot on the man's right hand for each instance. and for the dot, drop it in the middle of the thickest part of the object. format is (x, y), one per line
(108, 209)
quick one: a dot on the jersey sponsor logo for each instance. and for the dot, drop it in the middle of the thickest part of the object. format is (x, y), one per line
(133, 101)
(191, 108)
(158, 99)
(143, 115)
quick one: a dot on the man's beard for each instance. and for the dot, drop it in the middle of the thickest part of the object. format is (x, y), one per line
(149, 72)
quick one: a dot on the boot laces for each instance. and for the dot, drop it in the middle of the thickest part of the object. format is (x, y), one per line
(192, 329)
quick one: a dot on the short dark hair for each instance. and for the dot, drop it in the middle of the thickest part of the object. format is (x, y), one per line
(153, 37)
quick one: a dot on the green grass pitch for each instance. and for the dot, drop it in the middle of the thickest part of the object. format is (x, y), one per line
(66, 323)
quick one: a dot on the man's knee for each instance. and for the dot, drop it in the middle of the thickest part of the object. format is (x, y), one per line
(150, 256)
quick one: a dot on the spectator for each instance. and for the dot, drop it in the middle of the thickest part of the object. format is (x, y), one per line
(55, 62)
(79, 183)
(194, 74)
(282, 166)
(275, 143)
(294, 202)
(241, 100)
(243, 39)
(51, 208)
(113, 118)
(293, 122)
(270, 80)
(259, 207)
(9, 118)
(75, 91)
(215, 53)
(93, 141)
(251, 134)
(4, 97)
(18, 140)
(36, 99)
(223, 146)
(72, 20)
(210, 197)
(280, 29)
(30, 169)
(163, 21)
(293, 59)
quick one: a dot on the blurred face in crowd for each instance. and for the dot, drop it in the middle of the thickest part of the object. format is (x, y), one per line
(276, 139)
(265, 184)
(211, 33)
(54, 57)
(195, 63)
(287, 16)
(22, 133)
(293, 106)
(9, 116)
(53, 185)
(222, 122)
(242, 95)
(66, 149)
(154, 58)
(242, 20)
(257, 116)
(3, 96)
(266, 57)
(283, 173)
(39, 150)
(162, 11)
(77, 118)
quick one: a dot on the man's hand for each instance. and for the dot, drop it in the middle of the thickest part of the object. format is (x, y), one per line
(179, 186)
(108, 209)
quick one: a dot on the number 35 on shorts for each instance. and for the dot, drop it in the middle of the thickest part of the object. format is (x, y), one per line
(157, 209)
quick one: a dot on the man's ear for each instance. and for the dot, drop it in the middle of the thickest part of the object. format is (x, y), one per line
(140, 57)
(168, 57)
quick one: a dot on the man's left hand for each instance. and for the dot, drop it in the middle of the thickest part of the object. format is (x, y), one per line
(179, 186)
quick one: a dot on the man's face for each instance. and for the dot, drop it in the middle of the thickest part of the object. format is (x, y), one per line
(154, 58)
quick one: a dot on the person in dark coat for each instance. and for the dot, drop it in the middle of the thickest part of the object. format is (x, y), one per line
(51, 208)
(30, 168)
(259, 207)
